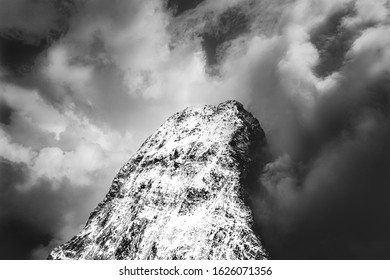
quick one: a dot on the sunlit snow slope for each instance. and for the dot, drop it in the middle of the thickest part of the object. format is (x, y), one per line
(181, 196)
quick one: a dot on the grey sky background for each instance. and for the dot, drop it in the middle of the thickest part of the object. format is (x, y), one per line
(84, 83)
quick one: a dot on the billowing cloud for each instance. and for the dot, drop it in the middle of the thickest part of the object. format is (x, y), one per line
(324, 198)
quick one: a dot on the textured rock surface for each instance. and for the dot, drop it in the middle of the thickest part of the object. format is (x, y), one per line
(181, 196)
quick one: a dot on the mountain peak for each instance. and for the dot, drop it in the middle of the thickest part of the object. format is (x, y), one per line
(181, 196)
(231, 104)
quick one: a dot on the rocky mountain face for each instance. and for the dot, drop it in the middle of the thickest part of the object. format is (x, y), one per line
(182, 195)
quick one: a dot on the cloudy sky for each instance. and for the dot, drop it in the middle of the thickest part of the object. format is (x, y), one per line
(84, 83)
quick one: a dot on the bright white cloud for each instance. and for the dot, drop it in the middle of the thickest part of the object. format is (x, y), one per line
(370, 53)
(82, 148)
(66, 74)
(32, 107)
(14, 152)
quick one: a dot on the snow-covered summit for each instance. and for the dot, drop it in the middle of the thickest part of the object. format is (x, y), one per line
(181, 196)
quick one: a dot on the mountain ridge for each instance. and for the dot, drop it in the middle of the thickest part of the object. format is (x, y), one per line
(182, 194)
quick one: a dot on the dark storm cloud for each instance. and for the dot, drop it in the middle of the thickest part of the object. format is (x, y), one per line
(17, 55)
(348, 192)
(5, 112)
(34, 17)
(325, 195)
(228, 26)
(333, 41)
(31, 219)
(335, 205)
(333, 38)
(179, 6)
(27, 28)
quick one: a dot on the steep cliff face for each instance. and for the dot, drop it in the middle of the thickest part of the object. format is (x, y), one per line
(181, 196)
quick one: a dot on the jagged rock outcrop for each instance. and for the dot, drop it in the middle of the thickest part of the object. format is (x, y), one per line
(181, 196)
